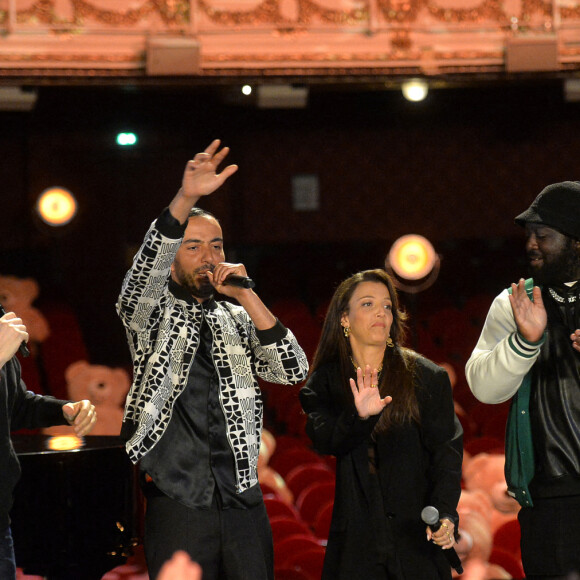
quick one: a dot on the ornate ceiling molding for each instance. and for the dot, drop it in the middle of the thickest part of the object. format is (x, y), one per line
(205, 39)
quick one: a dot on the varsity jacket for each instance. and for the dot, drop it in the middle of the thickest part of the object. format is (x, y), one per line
(501, 357)
(499, 368)
(162, 322)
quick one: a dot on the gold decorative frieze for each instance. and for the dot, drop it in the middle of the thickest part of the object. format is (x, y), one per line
(288, 35)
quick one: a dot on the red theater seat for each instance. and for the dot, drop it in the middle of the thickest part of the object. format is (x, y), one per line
(288, 550)
(276, 507)
(507, 538)
(301, 476)
(310, 560)
(510, 563)
(284, 526)
(321, 525)
(313, 498)
(284, 461)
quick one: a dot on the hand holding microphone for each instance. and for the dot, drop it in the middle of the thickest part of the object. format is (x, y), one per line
(430, 515)
(233, 275)
(238, 281)
(21, 329)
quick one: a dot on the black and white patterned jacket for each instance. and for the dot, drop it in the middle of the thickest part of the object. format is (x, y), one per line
(162, 322)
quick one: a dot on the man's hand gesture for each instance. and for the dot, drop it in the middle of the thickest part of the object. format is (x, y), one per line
(530, 317)
(200, 177)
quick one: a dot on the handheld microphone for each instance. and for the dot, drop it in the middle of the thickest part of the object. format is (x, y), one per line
(22, 349)
(430, 515)
(239, 281)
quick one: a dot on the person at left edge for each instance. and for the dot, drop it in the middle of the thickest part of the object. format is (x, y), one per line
(193, 416)
(22, 409)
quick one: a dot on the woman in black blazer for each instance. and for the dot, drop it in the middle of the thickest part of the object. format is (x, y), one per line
(387, 415)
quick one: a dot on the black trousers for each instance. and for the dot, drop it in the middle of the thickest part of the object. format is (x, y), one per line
(229, 544)
(550, 538)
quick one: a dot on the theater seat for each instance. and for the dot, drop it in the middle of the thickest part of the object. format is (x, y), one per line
(312, 498)
(301, 476)
(284, 526)
(288, 550)
(321, 525)
(284, 461)
(310, 560)
(276, 507)
(510, 563)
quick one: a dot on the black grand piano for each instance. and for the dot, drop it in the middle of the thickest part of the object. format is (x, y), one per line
(77, 511)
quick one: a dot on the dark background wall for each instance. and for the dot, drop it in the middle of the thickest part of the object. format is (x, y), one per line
(456, 168)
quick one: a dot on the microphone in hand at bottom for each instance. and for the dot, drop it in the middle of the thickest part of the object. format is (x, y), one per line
(430, 515)
(22, 349)
(238, 281)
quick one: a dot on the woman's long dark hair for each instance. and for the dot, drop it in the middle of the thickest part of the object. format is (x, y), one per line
(397, 376)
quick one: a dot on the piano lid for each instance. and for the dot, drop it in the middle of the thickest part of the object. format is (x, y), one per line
(77, 509)
(26, 444)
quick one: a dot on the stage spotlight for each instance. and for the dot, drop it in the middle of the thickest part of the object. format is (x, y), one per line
(247, 90)
(415, 90)
(413, 263)
(56, 206)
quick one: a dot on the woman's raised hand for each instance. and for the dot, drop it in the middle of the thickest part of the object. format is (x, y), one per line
(365, 390)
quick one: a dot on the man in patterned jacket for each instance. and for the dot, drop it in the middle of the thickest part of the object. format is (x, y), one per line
(193, 416)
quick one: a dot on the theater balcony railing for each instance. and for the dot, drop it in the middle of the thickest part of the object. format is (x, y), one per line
(222, 40)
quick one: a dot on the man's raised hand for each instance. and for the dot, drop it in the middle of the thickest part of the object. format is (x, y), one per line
(200, 176)
(530, 316)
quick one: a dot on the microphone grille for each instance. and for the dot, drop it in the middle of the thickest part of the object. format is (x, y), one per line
(430, 515)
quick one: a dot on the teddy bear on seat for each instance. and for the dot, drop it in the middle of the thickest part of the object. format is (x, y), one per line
(485, 472)
(105, 387)
(17, 295)
(268, 478)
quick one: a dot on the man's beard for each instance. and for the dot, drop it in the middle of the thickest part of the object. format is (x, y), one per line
(201, 289)
(561, 268)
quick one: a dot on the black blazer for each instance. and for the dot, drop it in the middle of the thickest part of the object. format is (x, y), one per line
(19, 409)
(419, 465)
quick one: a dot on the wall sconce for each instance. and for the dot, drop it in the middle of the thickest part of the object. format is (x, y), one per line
(415, 90)
(56, 206)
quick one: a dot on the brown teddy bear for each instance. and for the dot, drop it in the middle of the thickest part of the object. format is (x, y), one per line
(268, 478)
(105, 387)
(485, 472)
(17, 295)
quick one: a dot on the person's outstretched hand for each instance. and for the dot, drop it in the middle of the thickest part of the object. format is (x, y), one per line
(80, 415)
(367, 397)
(530, 317)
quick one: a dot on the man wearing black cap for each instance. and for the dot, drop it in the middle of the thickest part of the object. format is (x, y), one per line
(529, 350)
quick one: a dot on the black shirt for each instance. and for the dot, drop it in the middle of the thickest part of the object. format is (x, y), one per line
(193, 459)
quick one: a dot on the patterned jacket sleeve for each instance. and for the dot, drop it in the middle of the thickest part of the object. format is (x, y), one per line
(146, 281)
(278, 358)
(502, 357)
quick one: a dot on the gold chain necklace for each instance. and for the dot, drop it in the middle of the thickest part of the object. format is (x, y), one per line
(356, 366)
